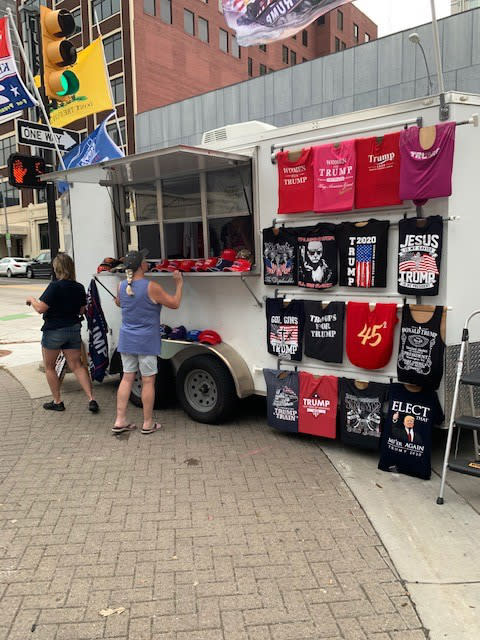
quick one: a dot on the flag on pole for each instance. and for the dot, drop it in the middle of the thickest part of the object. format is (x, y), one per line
(96, 148)
(14, 95)
(263, 21)
(94, 94)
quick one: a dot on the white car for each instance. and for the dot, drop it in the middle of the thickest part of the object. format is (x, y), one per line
(13, 267)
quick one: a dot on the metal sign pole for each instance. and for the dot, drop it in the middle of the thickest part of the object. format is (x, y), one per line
(444, 108)
(8, 238)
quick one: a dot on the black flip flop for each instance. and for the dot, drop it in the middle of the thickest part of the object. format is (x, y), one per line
(127, 427)
(155, 427)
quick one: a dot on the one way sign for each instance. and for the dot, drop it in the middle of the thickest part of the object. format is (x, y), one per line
(38, 135)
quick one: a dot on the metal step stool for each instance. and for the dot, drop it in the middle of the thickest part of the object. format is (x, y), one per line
(469, 467)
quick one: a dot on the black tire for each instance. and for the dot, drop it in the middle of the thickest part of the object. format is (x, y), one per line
(9, 273)
(30, 274)
(206, 389)
(164, 387)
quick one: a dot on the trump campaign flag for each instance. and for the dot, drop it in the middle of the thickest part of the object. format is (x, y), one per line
(262, 21)
(97, 334)
(14, 95)
(96, 148)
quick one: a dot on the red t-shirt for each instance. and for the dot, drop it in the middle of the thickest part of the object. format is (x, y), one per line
(378, 171)
(334, 176)
(370, 334)
(317, 405)
(295, 182)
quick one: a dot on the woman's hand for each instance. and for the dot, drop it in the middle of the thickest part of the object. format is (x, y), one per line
(177, 277)
(29, 301)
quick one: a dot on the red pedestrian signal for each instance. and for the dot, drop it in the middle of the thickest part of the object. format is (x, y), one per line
(24, 171)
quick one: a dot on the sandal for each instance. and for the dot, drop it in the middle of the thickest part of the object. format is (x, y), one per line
(127, 427)
(155, 427)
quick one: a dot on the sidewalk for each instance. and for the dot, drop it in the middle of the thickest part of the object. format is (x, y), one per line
(200, 532)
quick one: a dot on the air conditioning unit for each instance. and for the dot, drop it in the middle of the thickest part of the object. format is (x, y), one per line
(235, 131)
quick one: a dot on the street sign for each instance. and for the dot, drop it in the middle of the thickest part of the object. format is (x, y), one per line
(35, 134)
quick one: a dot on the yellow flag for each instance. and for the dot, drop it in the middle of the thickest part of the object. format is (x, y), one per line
(93, 95)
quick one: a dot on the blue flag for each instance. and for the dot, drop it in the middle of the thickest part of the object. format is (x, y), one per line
(96, 148)
(14, 95)
(97, 334)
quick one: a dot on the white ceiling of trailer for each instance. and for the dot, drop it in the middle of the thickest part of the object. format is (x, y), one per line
(147, 167)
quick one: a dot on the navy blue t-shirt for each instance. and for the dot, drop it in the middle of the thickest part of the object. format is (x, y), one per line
(65, 298)
(282, 399)
(407, 433)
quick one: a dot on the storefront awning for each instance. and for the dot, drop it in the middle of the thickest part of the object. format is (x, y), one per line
(147, 167)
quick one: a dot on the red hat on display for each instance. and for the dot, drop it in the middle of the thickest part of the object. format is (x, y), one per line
(186, 265)
(160, 266)
(173, 265)
(228, 254)
(209, 264)
(198, 266)
(209, 337)
(239, 265)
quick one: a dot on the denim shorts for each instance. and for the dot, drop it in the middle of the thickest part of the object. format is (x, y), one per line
(132, 363)
(64, 338)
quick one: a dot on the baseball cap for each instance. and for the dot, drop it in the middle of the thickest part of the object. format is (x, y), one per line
(165, 330)
(228, 254)
(192, 335)
(186, 265)
(239, 265)
(178, 333)
(221, 265)
(209, 337)
(107, 264)
(209, 263)
(173, 265)
(133, 259)
(198, 264)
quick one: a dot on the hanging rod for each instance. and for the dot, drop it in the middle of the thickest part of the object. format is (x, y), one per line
(349, 295)
(333, 136)
(338, 368)
(318, 219)
(474, 120)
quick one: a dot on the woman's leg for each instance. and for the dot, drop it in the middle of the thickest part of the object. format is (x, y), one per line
(49, 358)
(123, 396)
(148, 399)
(75, 365)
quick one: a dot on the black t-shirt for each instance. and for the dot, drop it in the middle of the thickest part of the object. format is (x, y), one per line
(65, 299)
(279, 256)
(363, 253)
(407, 435)
(361, 413)
(317, 256)
(282, 399)
(324, 330)
(419, 255)
(285, 328)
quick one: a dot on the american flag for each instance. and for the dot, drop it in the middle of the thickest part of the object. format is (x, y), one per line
(363, 265)
(235, 5)
(419, 262)
(284, 334)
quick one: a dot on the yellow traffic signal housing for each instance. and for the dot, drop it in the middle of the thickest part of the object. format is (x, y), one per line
(58, 53)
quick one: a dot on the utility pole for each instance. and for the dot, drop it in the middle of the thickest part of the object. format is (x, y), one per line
(8, 239)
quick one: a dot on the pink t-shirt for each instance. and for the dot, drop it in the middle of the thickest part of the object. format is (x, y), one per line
(426, 173)
(334, 176)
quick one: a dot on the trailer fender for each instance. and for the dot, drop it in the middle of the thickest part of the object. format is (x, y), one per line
(179, 351)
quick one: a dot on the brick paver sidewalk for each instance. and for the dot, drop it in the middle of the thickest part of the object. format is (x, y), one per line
(200, 532)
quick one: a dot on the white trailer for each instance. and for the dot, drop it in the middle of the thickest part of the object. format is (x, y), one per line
(179, 201)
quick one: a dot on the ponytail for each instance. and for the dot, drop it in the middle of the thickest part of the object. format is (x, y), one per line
(128, 288)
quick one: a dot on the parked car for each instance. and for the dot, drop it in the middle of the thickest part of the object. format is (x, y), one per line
(13, 267)
(40, 267)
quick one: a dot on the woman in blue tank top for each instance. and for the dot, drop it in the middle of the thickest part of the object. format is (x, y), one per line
(139, 342)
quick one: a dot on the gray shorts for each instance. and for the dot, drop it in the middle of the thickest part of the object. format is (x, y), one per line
(131, 363)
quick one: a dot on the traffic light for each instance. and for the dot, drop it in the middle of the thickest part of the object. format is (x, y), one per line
(58, 53)
(24, 171)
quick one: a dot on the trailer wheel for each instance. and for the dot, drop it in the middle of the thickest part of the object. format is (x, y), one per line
(164, 386)
(206, 390)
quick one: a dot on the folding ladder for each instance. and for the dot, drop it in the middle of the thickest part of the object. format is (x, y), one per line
(470, 422)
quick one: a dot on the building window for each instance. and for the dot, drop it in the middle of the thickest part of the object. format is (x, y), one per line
(189, 22)
(321, 21)
(7, 146)
(77, 16)
(166, 11)
(293, 58)
(102, 9)
(355, 32)
(337, 44)
(340, 19)
(262, 47)
(113, 47)
(262, 70)
(250, 67)
(305, 38)
(304, 60)
(43, 235)
(112, 131)
(149, 7)
(367, 37)
(284, 54)
(203, 30)
(223, 40)
(11, 195)
(236, 50)
(118, 90)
